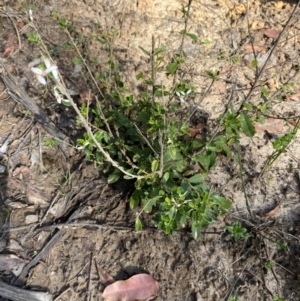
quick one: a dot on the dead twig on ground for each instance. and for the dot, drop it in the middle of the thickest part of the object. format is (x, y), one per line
(18, 93)
(18, 294)
(62, 294)
(89, 295)
(38, 257)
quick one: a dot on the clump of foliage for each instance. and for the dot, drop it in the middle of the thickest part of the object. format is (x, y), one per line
(147, 138)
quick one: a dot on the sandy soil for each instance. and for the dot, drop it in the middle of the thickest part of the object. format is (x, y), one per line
(42, 186)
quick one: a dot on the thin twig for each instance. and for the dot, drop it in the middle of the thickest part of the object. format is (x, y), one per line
(153, 75)
(62, 294)
(187, 16)
(268, 58)
(16, 29)
(103, 118)
(146, 140)
(161, 164)
(89, 294)
(106, 155)
(243, 182)
(85, 64)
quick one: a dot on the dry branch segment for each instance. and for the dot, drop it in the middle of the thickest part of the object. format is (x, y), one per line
(17, 294)
(19, 95)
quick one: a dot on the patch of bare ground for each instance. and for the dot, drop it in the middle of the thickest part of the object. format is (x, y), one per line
(58, 215)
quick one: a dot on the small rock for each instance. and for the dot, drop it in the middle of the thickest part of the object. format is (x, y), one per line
(2, 244)
(14, 204)
(13, 245)
(29, 219)
(2, 168)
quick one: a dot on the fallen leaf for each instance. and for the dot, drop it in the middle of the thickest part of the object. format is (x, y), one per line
(255, 48)
(85, 97)
(20, 24)
(238, 9)
(279, 4)
(220, 86)
(14, 246)
(226, 68)
(293, 122)
(294, 97)
(271, 125)
(272, 84)
(36, 197)
(140, 287)
(270, 213)
(105, 278)
(9, 46)
(21, 169)
(257, 24)
(272, 33)
(10, 262)
(194, 131)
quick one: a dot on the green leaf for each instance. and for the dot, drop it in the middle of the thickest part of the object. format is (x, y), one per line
(247, 125)
(207, 161)
(277, 298)
(213, 74)
(172, 212)
(77, 61)
(181, 165)
(265, 92)
(172, 151)
(183, 220)
(154, 165)
(261, 119)
(192, 36)
(196, 179)
(63, 23)
(114, 177)
(254, 63)
(166, 176)
(138, 225)
(221, 201)
(134, 199)
(140, 75)
(144, 50)
(196, 230)
(172, 68)
(248, 106)
(157, 51)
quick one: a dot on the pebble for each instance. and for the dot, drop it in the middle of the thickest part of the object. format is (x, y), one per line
(2, 168)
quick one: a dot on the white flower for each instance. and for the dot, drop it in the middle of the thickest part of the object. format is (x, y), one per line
(30, 14)
(181, 95)
(51, 68)
(41, 73)
(58, 96)
(86, 143)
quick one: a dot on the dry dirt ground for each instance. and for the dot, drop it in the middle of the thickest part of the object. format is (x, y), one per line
(43, 186)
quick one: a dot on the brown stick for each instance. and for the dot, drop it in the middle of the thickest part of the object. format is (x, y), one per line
(18, 93)
(18, 294)
(38, 257)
